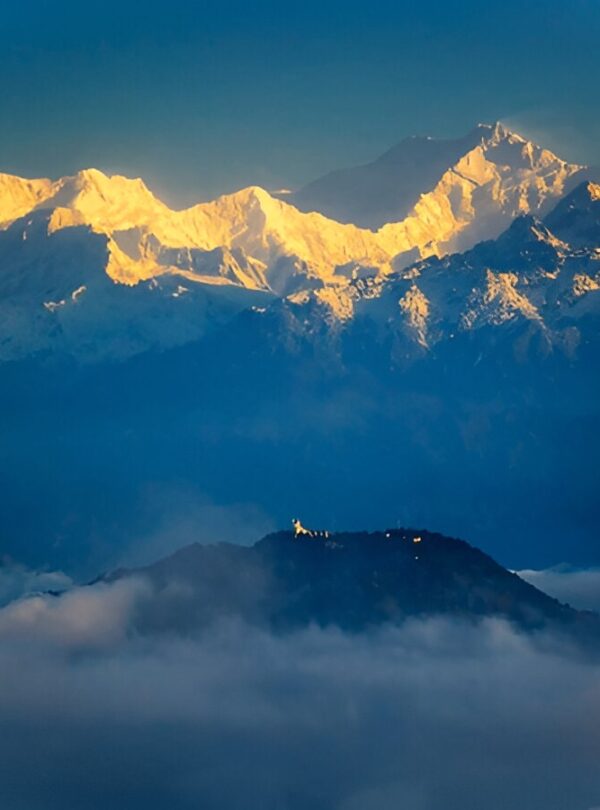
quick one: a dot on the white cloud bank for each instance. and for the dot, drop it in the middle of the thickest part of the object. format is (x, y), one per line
(580, 587)
(17, 581)
(433, 715)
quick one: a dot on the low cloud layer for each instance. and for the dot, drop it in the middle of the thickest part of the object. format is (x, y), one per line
(17, 581)
(580, 587)
(433, 715)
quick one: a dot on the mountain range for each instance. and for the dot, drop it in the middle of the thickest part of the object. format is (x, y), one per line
(99, 267)
(246, 352)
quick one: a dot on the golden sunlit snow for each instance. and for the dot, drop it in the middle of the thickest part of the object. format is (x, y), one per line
(501, 177)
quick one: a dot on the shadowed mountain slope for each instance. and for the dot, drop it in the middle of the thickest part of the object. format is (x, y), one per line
(353, 580)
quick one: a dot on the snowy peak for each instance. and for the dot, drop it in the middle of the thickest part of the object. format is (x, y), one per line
(428, 186)
(485, 193)
(464, 191)
(386, 189)
(502, 177)
(528, 279)
(89, 197)
(495, 133)
(275, 233)
(106, 203)
(497, 301)
(143, 231)
(18, 196)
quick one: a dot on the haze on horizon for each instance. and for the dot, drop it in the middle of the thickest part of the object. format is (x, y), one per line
(201, 99)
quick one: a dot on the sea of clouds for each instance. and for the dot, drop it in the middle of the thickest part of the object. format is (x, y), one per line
(432, 715)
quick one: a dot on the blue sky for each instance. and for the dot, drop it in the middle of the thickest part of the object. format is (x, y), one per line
(205, 97)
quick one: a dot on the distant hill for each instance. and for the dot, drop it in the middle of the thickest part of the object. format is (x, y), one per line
(352, 580)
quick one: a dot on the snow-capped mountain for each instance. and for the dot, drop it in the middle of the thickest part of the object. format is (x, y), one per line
(459, 391)
(58, 293)
(98, 266)
(386, 189)
(527, 276)
(443, 189)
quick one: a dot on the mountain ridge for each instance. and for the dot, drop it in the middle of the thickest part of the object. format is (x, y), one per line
(248, 248)
(462, 163)
(267, 228)
(413, 159)
(352, 580)
(76, 283)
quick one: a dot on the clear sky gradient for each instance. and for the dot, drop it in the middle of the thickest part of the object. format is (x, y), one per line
(201, 98)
